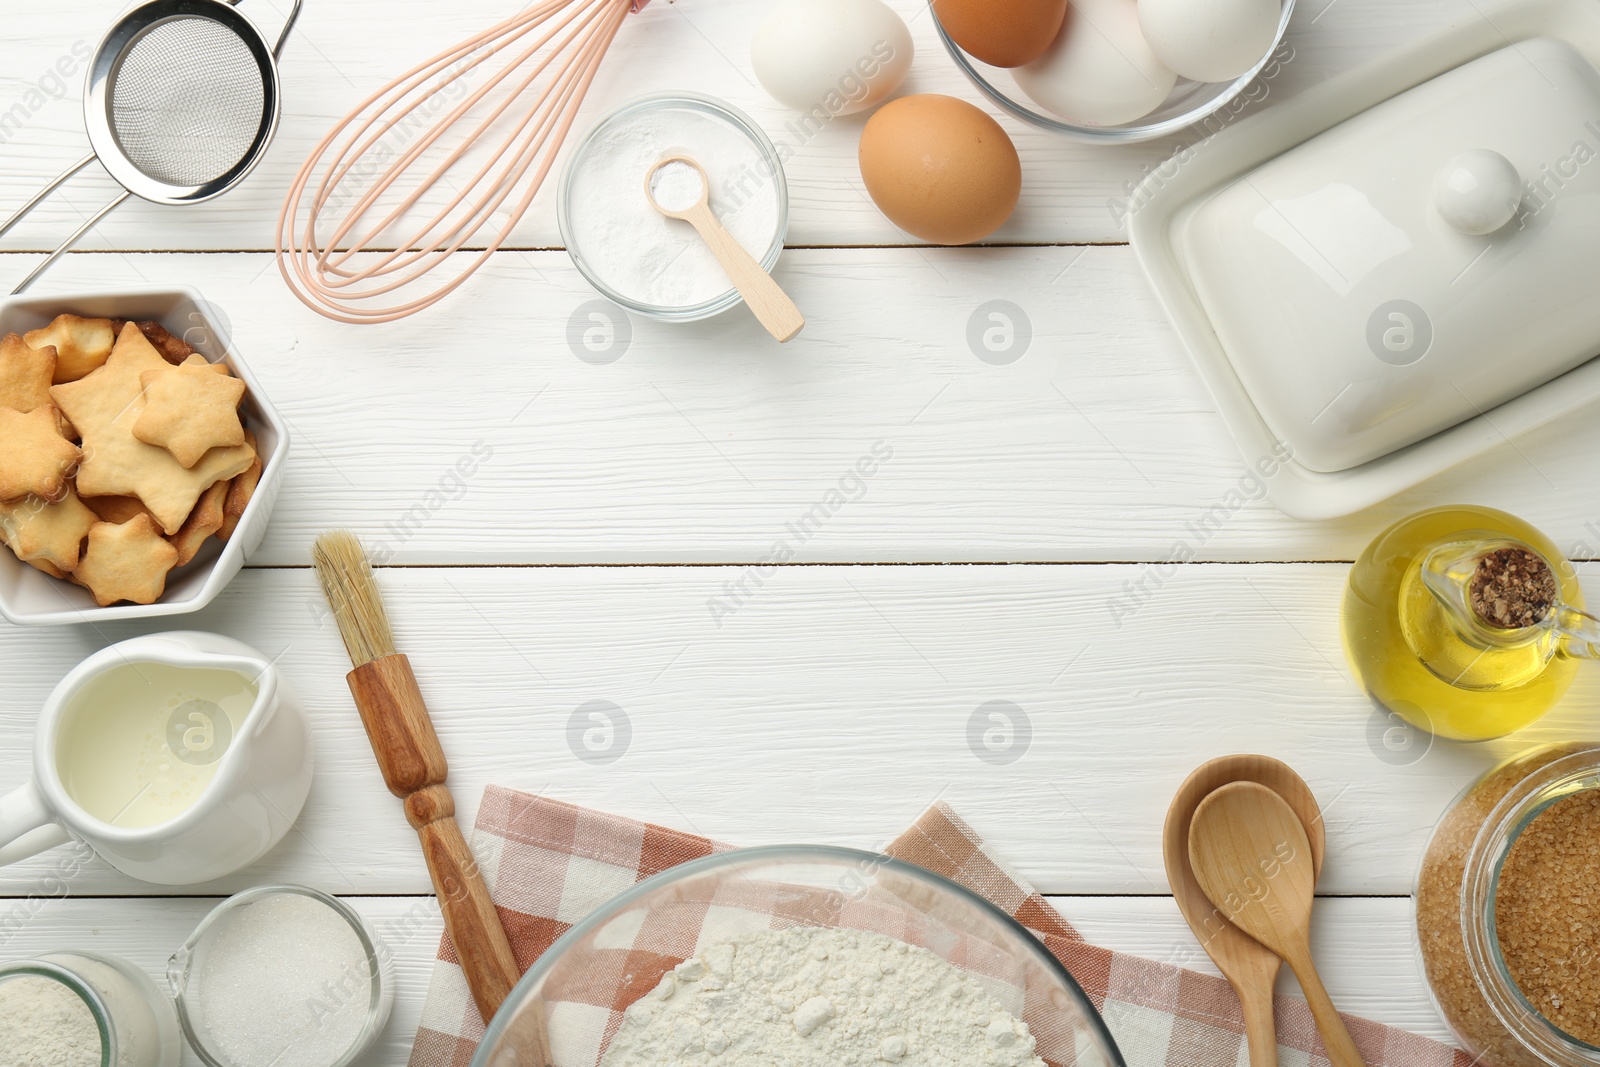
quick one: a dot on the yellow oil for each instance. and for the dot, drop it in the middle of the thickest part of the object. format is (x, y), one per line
(1410, 658)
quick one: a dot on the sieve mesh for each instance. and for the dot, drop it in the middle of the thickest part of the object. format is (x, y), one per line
(187, 101)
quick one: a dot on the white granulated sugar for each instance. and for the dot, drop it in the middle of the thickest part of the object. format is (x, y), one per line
(630, 246)
(283, 980)
(45, 1024)
(812, 997)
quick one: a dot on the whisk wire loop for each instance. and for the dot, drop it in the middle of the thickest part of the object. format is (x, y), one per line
(374, 221)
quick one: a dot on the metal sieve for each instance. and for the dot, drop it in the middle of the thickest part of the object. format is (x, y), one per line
(181, 101)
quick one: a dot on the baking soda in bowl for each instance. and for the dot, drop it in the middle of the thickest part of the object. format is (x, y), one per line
(630, 251)
(280, 976)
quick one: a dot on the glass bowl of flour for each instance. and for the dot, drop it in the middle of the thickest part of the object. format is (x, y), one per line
(636, 257)
(800, 956)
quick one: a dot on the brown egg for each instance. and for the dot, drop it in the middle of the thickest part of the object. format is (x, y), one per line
(940, 169)
(1002, 33)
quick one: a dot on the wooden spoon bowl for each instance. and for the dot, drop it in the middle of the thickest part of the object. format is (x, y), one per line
(1249, 967)
(1252, 856)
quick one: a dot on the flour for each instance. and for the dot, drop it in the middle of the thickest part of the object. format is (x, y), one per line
(811, 997)
(630, 247)
(45, 1024)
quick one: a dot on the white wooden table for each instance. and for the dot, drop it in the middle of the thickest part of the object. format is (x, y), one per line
(988, 559)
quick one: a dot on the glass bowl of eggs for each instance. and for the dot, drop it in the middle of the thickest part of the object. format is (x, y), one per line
(1114, 71)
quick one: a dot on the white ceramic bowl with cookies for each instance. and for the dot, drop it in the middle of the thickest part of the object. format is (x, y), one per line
(28, 595)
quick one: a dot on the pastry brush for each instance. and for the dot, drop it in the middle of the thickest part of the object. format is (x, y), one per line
(413, 765)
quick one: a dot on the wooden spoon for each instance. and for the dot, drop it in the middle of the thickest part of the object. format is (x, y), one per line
(766, 298)
(1250, 967)
(1251, 855)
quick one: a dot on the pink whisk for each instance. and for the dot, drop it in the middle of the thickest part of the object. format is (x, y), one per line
(347, 244)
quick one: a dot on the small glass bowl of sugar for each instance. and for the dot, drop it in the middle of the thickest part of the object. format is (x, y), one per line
(279, 975)
(636, 257)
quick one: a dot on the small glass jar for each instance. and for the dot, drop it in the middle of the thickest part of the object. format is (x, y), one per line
(767, 177)
(186, 975)
(136, 1025)
(1471, 985)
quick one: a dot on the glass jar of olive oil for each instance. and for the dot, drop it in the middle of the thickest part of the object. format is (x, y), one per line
(1466, 622)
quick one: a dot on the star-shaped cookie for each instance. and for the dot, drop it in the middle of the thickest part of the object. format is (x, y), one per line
(240, 492)
(25, 374)
(40, 531)
(34, 458)
(105, 406)
(189, 410)
(81, 345)
(126, 562)
(206, 520)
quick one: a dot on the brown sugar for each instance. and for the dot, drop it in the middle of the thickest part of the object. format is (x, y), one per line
(1444, 954)
(1513, 588)
(1547, 914)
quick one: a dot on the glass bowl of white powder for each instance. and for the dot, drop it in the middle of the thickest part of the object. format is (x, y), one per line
(282, 975)
(804, 956)
(84, 1009)
(630, 252)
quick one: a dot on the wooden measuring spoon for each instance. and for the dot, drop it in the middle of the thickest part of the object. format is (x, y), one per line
(1250, 967)
(1251, 855)
(766, 298)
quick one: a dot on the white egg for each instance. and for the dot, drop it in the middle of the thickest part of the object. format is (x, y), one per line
(1099, 71)
(1210, 40)
(831, 57)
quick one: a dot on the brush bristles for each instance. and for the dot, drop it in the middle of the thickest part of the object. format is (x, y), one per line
(353, 595)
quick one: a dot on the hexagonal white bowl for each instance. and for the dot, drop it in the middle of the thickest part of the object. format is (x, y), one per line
(31, 597)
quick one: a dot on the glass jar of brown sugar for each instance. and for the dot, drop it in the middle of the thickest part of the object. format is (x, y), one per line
(1508, 911)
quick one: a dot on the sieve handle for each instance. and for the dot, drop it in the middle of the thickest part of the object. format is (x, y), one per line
(283, 34)
(46, 191)
(77, 234)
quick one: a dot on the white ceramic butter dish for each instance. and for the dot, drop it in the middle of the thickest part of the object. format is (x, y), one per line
(1395, 270)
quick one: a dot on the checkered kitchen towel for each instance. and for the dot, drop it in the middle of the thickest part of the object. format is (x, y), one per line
(549, 864)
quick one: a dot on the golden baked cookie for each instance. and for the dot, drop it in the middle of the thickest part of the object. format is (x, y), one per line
(34, 458)
(47, 567)
(105, 406)
(173, 349)
(241, 492)
(205, 520)
(81, 345)
(25, 374)
(118, 509)
(126, 562)
(42, 531)
(190, 410)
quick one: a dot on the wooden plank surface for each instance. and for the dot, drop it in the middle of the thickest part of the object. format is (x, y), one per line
(707, 444)
(610, 543)
(1364, 948)
(833, 704)
(343, 51)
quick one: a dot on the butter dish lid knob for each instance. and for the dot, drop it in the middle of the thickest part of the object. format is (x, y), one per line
(1478, 192)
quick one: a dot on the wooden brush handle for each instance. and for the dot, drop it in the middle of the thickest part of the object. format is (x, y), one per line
(414, 769)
